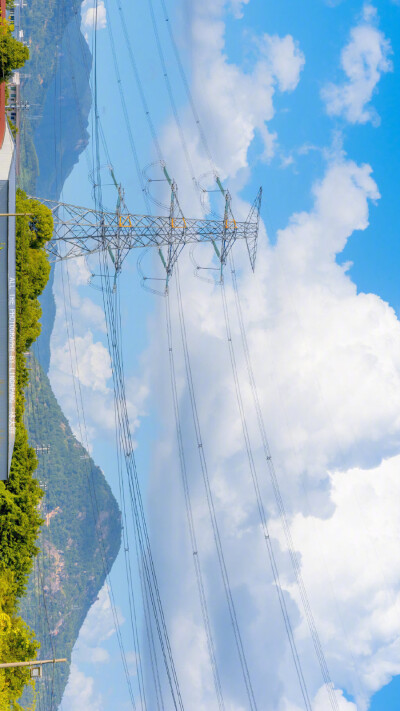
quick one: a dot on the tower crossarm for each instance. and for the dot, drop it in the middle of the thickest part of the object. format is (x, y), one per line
(80, 231)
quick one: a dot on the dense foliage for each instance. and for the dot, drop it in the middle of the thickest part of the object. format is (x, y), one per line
(17, 643)
(13, 54)
(20, 495)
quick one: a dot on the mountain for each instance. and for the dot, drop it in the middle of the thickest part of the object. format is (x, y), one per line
(81, 534)
(55, 83)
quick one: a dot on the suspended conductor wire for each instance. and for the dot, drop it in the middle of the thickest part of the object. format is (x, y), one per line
(135, 491)
(88, 72)
(92, 491)
(82, 423)
(126, 113)
(279, 500)
(189, 515)
(129, 584)
(145, 598)
(261, 508)
(123, 419)
(187, 88)
(310, 619)
(76, 94)
(169, 89)
(142, 95)
(150, 636)
(144, 591)
(128, 571)
(98, 194)
(135, 496)
(210, 503)
(136, 502)
(149, 632)
(138, 81)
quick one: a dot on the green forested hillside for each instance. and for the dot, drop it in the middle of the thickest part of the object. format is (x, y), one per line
(81, 534)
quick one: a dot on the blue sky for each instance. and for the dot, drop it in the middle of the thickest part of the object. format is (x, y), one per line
(300, 98)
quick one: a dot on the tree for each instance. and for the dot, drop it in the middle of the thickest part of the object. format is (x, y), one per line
(13, 54)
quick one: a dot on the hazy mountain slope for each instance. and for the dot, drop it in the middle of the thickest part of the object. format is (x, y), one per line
(55, 83)
(81, 535)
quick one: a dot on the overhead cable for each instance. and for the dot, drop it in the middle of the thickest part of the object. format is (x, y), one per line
(211, 507)
(279, 501)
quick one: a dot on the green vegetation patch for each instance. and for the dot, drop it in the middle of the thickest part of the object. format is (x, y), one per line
(20, 495)
(13, 54)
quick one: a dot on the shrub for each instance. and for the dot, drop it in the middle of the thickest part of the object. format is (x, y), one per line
(13, 54)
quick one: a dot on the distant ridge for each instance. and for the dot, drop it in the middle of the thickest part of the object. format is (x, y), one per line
(70, 572)
(56, 84)
(78, 530)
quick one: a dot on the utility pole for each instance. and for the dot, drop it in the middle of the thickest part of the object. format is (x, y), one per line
(35, 666)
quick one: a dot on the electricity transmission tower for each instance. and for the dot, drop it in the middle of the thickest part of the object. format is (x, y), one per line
(80, 231)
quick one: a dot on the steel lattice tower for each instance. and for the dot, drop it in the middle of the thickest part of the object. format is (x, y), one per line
(80, 231)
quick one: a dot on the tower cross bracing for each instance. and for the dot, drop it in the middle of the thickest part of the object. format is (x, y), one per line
(80, 231)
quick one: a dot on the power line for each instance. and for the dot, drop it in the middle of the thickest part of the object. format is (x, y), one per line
(279, 501)
(138, 81)
(185, 82)
(79, 401)
(123, 420)
(190, 519)
(169, 89)
(92, 491)
(134, 488)
(211, 507)
(261, 509)
(125, 112)
(96, 116)
(308, 612)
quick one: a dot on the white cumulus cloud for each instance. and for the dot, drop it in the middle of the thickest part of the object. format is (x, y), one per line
(327, 364)
(80, 361)
(80, 692)
(99, 624)
(237, 7)
(359, 543)
(90, 361)
(364, 59)
(234, 105)
(320, 701)
(98, 627)
(285, 59)
(92, 18)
